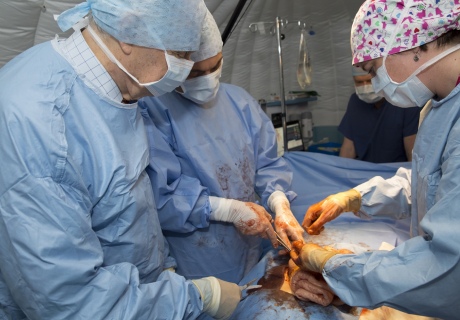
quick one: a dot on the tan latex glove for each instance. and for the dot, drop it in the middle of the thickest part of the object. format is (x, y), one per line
(220, 298)
(286, 224)
(309, 286)
(310, 256)
(330, 208)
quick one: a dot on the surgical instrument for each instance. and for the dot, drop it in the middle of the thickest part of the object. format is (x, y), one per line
(281, 242)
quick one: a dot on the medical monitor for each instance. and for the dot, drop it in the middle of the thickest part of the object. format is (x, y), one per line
(294, 137)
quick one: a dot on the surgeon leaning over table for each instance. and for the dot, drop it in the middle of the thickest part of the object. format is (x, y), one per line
(79, 232)
(224, 142)
(412, 50)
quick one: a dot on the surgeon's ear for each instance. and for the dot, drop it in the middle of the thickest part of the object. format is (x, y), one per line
(126, 47)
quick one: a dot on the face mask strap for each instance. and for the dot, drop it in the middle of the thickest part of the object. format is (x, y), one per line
(109, 54)
(435, 59)
(426, 64)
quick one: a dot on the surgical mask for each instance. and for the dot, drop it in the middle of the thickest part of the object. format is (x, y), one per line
(366, 93)
(204, 88)
(178, 70)
(409, 93)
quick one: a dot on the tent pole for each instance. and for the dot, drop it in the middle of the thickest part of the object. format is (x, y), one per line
(231, 22)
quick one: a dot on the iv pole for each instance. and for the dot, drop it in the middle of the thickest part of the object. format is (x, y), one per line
(282, 96)
(279, 23)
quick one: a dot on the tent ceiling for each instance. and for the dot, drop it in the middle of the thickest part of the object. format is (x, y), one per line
(250, 59)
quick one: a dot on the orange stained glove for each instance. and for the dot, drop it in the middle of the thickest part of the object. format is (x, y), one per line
(310, 256)
(330, 208)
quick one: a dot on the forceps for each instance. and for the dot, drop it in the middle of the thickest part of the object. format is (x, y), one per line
(281, 242)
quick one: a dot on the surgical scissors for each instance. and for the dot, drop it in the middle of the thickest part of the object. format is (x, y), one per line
(248, 286)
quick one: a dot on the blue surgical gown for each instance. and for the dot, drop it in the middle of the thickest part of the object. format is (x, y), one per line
(421, 275)
(229, 145)
(79, 232)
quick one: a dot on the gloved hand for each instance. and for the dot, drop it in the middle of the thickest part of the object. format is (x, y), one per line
(248, 217)
(286, 224)
(310, 256)
(219, 297)
(309, 286)
(330, 208)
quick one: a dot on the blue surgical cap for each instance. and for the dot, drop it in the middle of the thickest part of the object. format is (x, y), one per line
(161, 24)
(211, 40)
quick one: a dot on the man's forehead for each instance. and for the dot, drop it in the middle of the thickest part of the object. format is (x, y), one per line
(364, 77)
(207, 64)
(368, 65)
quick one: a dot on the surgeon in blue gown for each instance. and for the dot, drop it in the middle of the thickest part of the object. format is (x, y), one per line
(226, 160)
(79, 233)
(421, 275)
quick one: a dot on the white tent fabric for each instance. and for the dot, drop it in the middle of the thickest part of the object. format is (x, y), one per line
(26, 23)
(250, 59)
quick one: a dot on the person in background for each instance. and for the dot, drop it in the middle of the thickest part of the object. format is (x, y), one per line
(411, 49)
(374, 130)
(226, 153)
(79, 230)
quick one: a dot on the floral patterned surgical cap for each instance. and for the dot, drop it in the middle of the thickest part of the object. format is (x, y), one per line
(385, 27)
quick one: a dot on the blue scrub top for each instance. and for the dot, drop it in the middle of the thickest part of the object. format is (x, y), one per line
(378, 134)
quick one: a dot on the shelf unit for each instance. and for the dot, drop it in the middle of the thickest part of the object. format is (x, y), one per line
(291, 102)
